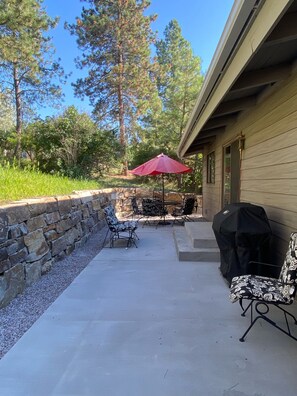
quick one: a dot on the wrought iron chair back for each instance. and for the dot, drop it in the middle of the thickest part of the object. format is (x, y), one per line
(120, 229)
(189, 206)
(185, 211)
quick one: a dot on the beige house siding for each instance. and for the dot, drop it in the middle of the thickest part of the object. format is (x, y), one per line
(212, 192)
(269, 161)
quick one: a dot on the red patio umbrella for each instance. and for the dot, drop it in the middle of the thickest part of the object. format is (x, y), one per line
(160, 164)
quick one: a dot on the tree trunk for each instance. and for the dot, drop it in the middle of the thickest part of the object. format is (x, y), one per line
(182, 121)
(123, 141)
(122, 129)
(18, 106)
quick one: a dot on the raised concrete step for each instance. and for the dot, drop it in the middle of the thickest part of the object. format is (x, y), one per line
(201, 234)
(187, 252)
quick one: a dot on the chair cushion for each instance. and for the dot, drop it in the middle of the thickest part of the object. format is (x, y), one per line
(109, 211)
(256, 287)
(130, 224)
(110, 216)
(118, 226)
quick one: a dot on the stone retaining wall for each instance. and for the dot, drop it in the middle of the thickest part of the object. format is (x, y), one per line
(36, 233)
(123, 201)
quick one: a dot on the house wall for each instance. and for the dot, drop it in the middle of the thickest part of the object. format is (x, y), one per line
(269, 161)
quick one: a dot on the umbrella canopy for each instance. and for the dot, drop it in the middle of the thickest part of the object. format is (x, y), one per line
(159, 165)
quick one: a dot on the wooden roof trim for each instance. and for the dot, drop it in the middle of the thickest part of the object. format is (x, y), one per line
(233, 106)
(257, 78)
(285, 31)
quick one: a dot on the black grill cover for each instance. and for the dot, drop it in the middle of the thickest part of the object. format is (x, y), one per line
(243, 234)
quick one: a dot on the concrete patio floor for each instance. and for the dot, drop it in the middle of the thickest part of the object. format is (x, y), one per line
(137, 322)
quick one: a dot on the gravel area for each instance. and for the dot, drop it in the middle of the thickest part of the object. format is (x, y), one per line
(25, 309)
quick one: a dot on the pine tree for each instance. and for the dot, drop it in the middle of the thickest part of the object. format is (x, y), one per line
(26, 64)
(115, 38)
(179, 82)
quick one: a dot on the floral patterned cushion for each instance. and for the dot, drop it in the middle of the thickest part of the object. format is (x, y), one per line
(114, 224)
(110, 215)
(131, 224)
(280, 290)
(255, 287)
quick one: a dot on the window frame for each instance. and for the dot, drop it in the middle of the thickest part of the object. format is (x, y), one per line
(211, 162)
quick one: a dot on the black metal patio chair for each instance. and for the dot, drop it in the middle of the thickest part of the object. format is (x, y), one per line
(120, 229)
(183, 212)
(264, 292)
(152, 208)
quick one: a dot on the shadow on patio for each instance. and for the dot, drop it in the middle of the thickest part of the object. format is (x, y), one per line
(138, 322)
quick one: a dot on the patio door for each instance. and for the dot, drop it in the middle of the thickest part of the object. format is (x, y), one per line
(231, 173)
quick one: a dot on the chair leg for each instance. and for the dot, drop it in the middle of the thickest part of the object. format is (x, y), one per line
(176, 220)
(132, 238)
(146, 222)
(245, 309)
(135, 235)
(262, 315)
(105, 238)
(287, 313)
(114, 235)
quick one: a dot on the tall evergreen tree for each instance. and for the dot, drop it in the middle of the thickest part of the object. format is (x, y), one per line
(26, 57)
(115, 38)
(179, 83)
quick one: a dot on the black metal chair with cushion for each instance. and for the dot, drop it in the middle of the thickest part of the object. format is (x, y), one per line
(120, 229)
(185, 210)
(152, 208)
(263, 292)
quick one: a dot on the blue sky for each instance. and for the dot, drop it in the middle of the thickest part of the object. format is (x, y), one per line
(201, 21)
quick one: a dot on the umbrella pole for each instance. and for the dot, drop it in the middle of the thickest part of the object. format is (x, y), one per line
(163, 222)
(163, 190)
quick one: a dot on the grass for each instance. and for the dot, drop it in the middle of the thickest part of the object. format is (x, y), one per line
(19, 184)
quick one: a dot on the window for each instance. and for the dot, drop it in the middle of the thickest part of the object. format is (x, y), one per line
(231, 173)
(227, 176)
(211, 168)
